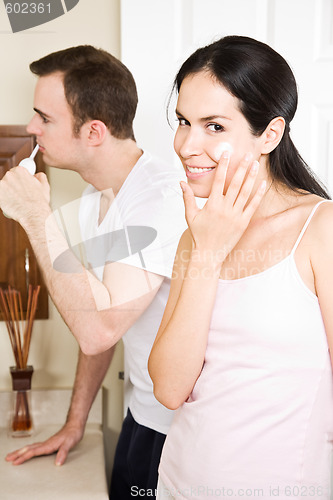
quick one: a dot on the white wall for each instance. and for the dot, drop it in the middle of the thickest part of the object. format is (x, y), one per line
(53, 349)
(158, 35)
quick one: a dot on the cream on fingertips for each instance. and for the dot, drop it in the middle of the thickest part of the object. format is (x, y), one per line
(220, 149)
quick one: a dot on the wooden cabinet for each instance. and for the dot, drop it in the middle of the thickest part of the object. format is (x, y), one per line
(18, 265)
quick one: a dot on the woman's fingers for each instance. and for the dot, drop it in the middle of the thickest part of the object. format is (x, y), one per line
(220, 176)
(237, 181)
(254, 203)
(247, 186)
(191, 208)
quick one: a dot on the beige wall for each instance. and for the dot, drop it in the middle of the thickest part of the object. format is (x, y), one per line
(53, 350)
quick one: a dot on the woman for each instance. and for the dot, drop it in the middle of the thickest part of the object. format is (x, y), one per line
(243, 347)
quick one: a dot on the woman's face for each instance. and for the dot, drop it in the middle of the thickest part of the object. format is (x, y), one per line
(210, 121)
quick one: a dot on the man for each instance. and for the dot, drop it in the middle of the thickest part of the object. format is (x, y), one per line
(131, 218)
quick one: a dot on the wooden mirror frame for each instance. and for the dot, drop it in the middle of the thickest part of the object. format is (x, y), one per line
(18, 264)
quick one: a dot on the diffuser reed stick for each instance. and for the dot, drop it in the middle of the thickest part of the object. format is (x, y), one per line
(19, 330)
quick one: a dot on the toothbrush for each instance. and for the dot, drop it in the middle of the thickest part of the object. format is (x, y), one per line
(29, 163)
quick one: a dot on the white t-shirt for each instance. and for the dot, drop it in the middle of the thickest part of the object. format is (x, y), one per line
(142, 228)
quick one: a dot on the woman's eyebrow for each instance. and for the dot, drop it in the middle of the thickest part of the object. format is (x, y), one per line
(205, 118)
(213, 117)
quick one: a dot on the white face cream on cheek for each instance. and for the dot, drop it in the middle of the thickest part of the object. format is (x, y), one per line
(220, 148)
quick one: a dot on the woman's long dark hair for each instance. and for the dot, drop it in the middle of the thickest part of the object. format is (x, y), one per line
(265, 87)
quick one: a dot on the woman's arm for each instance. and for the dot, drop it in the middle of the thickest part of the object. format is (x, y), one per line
(178, 353)
(321, 256)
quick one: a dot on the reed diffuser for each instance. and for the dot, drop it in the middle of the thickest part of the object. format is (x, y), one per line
(20, 330)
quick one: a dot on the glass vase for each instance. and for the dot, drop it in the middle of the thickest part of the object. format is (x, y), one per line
(21, 424)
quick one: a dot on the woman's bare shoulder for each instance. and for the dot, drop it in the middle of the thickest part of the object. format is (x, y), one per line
(307, 203)
(320, 231)
(323, 217)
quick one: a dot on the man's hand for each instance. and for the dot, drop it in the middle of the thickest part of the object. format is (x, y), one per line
(61, 442)
(23, 195)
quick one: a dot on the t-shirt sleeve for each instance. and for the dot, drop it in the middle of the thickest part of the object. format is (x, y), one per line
(152, 226)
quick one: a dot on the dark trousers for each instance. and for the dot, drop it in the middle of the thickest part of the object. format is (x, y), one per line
(136, 462)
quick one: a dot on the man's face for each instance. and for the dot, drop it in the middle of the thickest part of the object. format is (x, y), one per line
(53, 124)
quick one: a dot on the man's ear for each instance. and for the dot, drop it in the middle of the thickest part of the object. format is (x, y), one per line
(95, 132)
(273, 134)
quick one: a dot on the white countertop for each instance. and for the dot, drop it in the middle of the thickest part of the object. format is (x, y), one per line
(83, 474)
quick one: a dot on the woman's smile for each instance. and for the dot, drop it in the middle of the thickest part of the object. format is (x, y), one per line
(193, 172)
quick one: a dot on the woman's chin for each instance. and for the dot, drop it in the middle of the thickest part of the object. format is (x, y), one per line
(200, 191)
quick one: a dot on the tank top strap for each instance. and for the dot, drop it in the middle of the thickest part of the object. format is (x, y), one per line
(307, 222)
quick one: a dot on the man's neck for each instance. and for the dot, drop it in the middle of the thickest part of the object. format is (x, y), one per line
(109, 166)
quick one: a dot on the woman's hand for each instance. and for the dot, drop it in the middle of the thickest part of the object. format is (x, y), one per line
(219, 225)
(178, 353)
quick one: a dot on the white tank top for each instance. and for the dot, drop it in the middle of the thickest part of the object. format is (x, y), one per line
(258, 423)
